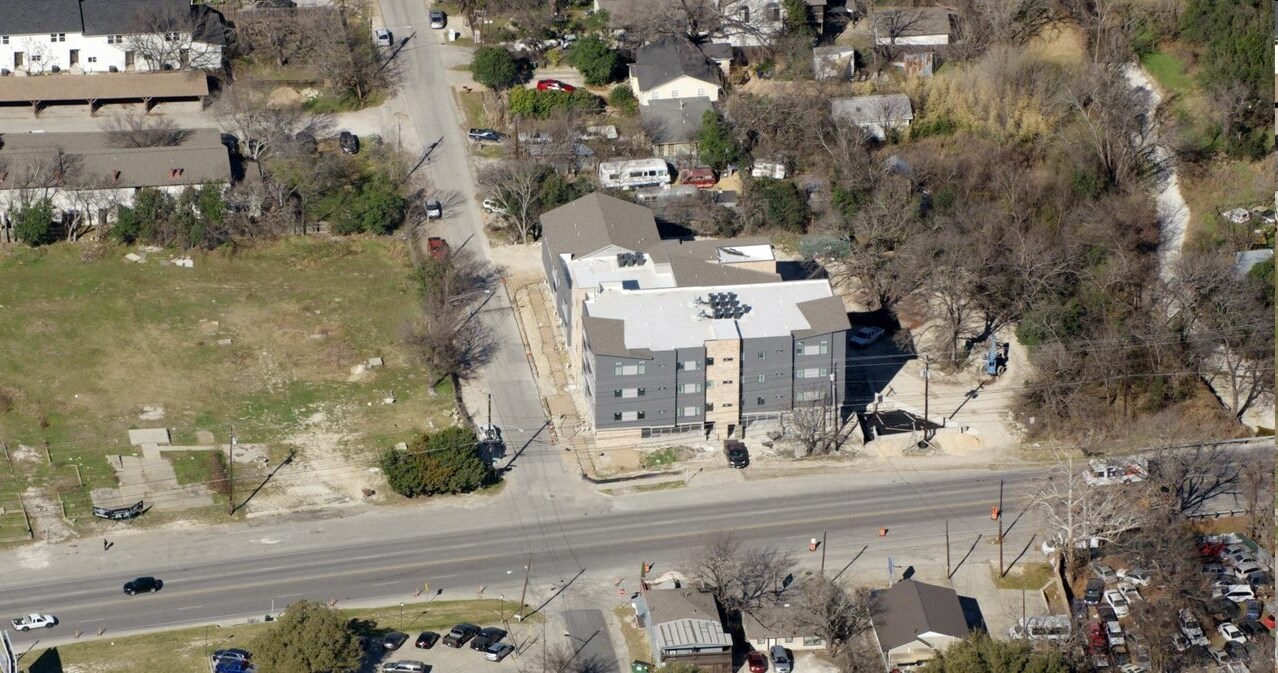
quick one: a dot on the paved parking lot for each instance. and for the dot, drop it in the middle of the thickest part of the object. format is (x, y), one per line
(465, 660)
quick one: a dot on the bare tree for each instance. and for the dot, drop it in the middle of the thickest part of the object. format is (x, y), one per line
(1194, 476)
(818, 428)
(164, 35)
(889, 251)
(134, 129)
(518, 186)
(646, 22)
(1118, 135)
(1258, 496)
(1079, 513)
(891, 26)
(359, 68)
(264, 127)
(565, 659)
(288, 35)
(829, 610)
(448, 336)
(740, 577)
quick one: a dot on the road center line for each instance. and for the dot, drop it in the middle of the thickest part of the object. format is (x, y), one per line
(191, 607)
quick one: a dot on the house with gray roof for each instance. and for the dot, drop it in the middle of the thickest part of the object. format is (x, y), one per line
(88, 176)
(686, 336)
(914, 622)
(99, 36)
(673, 125)
(778, 624)
(673, 68)
(913, 26)
(684, 626)
(877, 114)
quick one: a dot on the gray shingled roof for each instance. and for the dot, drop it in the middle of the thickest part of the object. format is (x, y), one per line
(911, 22)
(94, 161)
(669, 58)
(121, 17)
(824, 316)
(876, 109)
(607, 336)
(675, 120)
(596, 221)
(911, 608)
(32, 17)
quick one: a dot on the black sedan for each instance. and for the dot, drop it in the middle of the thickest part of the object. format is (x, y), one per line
(142, 584)
(487, 637)
(426, 640)
(394, 639)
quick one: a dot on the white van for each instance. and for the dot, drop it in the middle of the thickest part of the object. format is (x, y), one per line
(632, 174)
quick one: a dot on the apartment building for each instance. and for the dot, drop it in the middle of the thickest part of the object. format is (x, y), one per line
(90, 36)
(677, 336)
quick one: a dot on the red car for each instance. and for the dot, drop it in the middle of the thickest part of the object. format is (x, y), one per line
(758, 663)
(438, 247)
(701, 177)
(554, 85)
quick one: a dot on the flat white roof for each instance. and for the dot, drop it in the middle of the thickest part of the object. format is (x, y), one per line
(729, 254)
(593, 272)
(669, 318)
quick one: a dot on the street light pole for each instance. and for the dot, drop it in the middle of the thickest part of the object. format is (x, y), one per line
(401, 616)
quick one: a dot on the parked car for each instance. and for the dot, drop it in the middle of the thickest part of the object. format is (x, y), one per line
(498, 651)
(1131, 593)
(438, 247)
(1104, 572)
(349, 142)
(434, 210)
(426, 640)
(492, 205)
(34, 621)
(394, 640)
(1237, 593)
(781, 659)
(233, 654)
(864, 336)
(554, 85)
(738, 455)
(484, 135)
(1243, 570)
(137, 586)
(403, 667)
(1252, 628)
(1180, 642)
(438, 19)
(1135, 575)
(1095, 589)
(487, 637)
(460, 634)
(1114, 634)
(233, 666)
(757, 662)
(382, 37)
(1133, 668)
(1191, 629)
(1230, 632)
(701, 177)
(1115, 600)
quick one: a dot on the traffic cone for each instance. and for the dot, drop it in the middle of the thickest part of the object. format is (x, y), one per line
(994, 513)
(882, 532)
(812, 545)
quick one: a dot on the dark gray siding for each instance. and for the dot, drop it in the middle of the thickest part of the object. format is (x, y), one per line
(657, 382)
(696, 377)
(771, 358)
(817, 366)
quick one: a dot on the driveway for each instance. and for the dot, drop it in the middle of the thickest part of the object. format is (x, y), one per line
(587, 635)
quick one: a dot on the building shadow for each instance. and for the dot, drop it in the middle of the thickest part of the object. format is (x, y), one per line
(972, 613)
(49, 661)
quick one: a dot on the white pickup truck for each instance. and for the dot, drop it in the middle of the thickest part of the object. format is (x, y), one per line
(34, 621)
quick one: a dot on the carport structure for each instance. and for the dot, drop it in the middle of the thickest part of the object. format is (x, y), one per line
(99, 89)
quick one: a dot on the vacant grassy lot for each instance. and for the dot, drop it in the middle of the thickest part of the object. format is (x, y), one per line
(1169, 71)
(1222, 185)
(262, 339)
(184, 651)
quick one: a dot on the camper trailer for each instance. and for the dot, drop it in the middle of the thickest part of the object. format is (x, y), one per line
(632, 174)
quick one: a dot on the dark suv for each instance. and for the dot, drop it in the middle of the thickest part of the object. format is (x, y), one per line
(738, 455)
(460, 634)
(349, 142)
(141, 584)
(487, 637)
(1095, 587)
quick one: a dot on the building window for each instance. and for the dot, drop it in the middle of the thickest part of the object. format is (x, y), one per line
(640, 415)
(689, 411)
(616, 393)
(627, 415)
(760, 401)
(674, 93)
(4, 39)
(808, 395)
(701, 92)
(35, 58)
(688, 388)
(115, 39)
(774, 14)
(709, 384)
(728, 382)
(813, 349)
(812, 373)
(170, 37)
(709, 362)
(641, 392)
(655, 95)
(93, 59)
(726, 405)
(57, 37)
(763, 355)
(744, 14)
(709, 407)
(616, 415)
(628, 370)
(812, 642)
(761, 378)
(690, 365)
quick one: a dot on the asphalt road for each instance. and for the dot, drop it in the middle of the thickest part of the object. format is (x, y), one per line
(587, 635)
(383, 557)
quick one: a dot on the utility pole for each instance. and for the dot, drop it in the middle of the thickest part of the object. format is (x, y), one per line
(1000, 527)
(230, 476)
(948, 572)
(524, 592)
(824, 533)
(927, 377)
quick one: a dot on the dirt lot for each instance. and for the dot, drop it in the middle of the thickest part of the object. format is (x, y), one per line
(275, 339)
